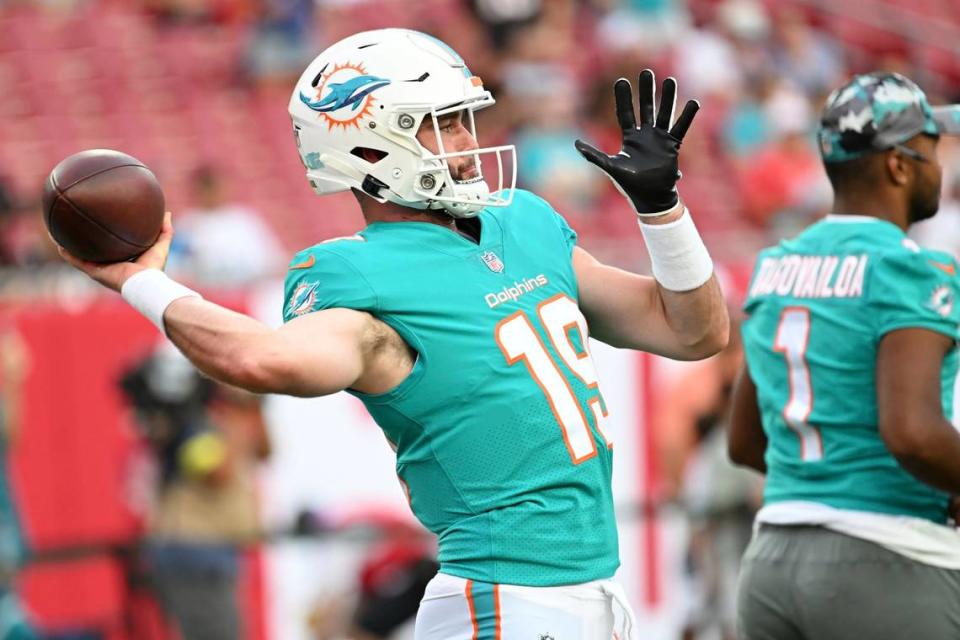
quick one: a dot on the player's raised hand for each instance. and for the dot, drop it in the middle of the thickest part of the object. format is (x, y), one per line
(646, 169)
(114, 274)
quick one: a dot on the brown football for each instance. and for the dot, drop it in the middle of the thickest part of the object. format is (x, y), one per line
(103, 205)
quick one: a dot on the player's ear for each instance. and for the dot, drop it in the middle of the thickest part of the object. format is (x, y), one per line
(896, 167)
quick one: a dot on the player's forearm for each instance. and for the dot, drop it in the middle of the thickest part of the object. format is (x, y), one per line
(698, 319)
(688, 294)
(628, 311)
(679, 314)
(225, 345)
(746, 439)
(931, 455)
(314, 355)
(909, 383)
(750, 456)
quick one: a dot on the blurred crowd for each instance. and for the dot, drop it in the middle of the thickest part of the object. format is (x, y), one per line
(751, 172)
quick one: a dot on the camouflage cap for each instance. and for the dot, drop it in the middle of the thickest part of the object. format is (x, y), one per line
(875, 111)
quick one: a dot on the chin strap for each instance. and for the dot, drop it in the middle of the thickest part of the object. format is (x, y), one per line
(372, 187)
(477, 193)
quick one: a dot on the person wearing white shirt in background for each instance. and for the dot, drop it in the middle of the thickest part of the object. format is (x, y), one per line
(222, 243)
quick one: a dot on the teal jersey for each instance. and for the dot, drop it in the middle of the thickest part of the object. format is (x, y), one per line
(817, 307)
(499, 427)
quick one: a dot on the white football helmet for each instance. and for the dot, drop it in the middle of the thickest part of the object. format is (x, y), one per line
(372, 90)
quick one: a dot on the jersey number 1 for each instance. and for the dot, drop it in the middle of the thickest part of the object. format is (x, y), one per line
(518, 340)
(793, 336)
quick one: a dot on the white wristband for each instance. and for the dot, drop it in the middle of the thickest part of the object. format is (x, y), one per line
(150, 292)
(678, 257)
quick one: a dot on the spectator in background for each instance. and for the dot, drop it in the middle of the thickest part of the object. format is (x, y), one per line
(6, 215)
(15, 364)
(281, 43)
(747, 25)
(501, 19)
(645, 27)
(221, 243)
(557, 36)
(30, 244)
(782, 186)
(23, 236)
(719, 499)
(546, 161)
(389, 585)
(207, 439)
(544, 84)
(172, 12)
(803, 56)
(707, 61)
(745, 128)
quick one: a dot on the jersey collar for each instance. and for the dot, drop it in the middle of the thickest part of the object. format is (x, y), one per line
(439, 238)
(850, 218)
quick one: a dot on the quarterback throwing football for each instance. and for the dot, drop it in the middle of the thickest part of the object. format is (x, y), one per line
(482, 381)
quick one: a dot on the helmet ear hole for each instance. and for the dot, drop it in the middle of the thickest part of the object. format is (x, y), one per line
(373, 156)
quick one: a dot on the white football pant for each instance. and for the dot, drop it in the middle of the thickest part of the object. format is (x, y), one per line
(458, 609)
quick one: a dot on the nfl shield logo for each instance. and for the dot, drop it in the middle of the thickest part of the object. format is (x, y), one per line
(492, 261)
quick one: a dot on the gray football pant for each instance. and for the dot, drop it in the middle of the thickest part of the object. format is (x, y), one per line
(810, 583)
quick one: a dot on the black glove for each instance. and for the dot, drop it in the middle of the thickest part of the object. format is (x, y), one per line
(646, 169)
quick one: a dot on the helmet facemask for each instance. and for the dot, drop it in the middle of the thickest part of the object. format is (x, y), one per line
(435, 182)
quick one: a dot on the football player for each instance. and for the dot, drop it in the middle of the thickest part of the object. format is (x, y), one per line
(459, 317)
(846, 401)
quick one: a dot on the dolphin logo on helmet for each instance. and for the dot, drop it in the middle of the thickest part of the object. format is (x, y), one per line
(345, 94)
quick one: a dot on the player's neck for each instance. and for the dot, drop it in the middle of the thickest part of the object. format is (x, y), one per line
(880, 208)
(374, 211)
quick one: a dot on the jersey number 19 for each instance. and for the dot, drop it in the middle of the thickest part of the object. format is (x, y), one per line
(519, 340)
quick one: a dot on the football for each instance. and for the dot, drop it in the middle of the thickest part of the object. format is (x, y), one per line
(103, 206)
